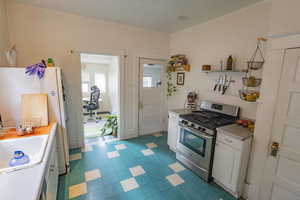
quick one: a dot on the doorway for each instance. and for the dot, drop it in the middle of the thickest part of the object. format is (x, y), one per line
(152, 98)
(100, 78)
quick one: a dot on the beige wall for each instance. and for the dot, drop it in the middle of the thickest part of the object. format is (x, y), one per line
(208, 43)
(3, 32)
(285, 17)
(41, 33)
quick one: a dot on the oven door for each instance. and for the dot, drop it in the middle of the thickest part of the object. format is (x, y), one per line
(195, 146)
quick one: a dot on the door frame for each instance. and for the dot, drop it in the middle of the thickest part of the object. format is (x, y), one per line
(121, 83)
(278, 45)
(139, 89)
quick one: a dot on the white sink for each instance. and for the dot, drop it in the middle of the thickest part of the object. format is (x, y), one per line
(33, 146)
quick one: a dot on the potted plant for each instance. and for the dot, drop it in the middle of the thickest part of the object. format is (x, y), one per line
(111, 126)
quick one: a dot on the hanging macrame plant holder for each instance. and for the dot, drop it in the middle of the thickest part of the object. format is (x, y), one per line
(257, 60)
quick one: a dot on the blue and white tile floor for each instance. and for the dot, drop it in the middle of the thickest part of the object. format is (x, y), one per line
(138, 169)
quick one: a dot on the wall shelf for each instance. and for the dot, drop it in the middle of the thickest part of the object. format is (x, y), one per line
(225, 71)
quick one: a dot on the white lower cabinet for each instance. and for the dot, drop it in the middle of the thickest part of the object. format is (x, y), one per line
(226, 162)
(230, 163)
(50, 183)
(173, 130)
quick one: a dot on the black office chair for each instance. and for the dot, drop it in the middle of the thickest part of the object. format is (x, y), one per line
(93, 104)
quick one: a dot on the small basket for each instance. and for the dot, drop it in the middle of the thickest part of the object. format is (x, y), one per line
(251, 82)
(249, 95)
(255, 65)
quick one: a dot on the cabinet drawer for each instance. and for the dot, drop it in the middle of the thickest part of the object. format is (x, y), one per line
(235, 143)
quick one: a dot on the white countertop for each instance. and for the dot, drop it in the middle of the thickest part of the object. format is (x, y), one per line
(181, 111)
(26, 184)
(236, 131)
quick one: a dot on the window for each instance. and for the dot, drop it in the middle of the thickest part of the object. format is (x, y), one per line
(85, 87)
(152, 74)
(85, 77)
(147, 81)
(100, 82)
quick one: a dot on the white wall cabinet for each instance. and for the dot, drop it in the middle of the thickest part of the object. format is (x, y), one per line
(230, 163)
(173, 130)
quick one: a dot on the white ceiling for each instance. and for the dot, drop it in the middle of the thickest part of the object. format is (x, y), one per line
(161, 15)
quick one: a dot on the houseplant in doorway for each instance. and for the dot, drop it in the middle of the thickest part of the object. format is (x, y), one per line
(110, 127)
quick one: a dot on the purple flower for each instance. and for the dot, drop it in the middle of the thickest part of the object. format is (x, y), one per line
(38, 69)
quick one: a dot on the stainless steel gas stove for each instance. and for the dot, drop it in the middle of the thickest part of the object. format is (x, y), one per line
(197, 137)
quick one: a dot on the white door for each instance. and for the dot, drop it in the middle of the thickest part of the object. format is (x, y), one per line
(72, 84)
(282, 178)
(152, 105)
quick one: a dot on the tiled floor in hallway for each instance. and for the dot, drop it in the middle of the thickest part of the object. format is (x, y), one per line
(138, 169)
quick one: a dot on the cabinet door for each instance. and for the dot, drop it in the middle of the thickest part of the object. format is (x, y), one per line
(224, 164)
(52, 179)
(53, 183)
(173, 132)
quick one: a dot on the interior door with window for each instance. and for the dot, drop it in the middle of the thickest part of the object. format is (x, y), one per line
(282, 179)
(152, 100)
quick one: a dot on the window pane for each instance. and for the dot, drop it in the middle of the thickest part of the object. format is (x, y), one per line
(152, 75)
(85, 87)
(85, 77)
(100, 82)
(147, 81)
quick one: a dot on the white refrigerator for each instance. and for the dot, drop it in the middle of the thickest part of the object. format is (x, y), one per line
(14, 82)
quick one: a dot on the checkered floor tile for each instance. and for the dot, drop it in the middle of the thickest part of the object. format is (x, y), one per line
(137, 170)
(175, 179)
(177, 167)
(76, 156)
(113, 154)
(129, 184)
(92, 175)
(151, 145)
(147, 152)
(120, 146)
(142, 168)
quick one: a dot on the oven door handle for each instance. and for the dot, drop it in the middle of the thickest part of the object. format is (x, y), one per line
(209, 137)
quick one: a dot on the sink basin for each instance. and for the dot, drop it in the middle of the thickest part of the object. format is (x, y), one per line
(33, 146)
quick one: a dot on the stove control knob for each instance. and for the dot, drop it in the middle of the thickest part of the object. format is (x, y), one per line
(184, 122)
(192, 125)
(201, 129)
